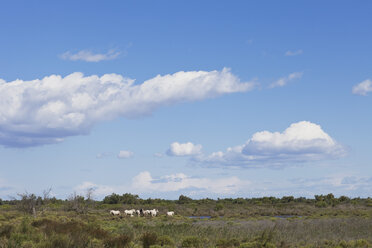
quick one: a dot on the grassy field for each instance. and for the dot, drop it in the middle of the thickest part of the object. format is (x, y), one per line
(263, 222)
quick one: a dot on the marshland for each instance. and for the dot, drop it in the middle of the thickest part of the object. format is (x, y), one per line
(322, 221)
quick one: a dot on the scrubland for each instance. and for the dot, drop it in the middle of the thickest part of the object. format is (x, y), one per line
(325, 221)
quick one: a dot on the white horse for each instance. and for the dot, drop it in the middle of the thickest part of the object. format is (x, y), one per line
(130, 212)
(115, 212)
(154, 212)
(170, 213)
(146, 212)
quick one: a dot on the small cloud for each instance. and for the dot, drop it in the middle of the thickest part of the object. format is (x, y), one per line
(285, 80)
(89, 56)
(363, 88)
(293, 53)
(158, 154)
(125, 154)
(103, 155)
(184, 149)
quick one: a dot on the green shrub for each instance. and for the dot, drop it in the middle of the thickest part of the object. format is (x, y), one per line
(321, 204)
(218, 207)
(256, 244)
(223, 243)
(165, 240)
(194, 242)
(120, 241)
(6, 230)
(361, 243)
(57, 241)
(148, 239)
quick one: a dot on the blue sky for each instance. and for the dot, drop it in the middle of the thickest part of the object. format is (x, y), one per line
(203, 98)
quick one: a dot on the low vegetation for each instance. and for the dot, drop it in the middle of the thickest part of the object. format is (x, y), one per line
(325, 221)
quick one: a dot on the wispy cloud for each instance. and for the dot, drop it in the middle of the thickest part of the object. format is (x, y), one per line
(172, 185)
(293, 53)
(177, 183)
(363, 88)
(103, 155)
(89, 56)
(285, 80)
(44, 111)
(158, 155)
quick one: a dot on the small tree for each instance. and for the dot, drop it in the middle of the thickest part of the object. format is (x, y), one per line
(184, 199)
(28, 203)
(76, 203)
(112, 199)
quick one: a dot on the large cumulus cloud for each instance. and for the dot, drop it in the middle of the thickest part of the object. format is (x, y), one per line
(300, 142)
(47, 110)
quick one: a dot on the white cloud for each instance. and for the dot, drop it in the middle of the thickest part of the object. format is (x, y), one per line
(363, 88)
(301, 142)
(89, 56)
(285, 80)
(103, 155)
(47, 110)
(176, 182)
(173, 184)
(184, 149)
(158, 154)
(293, 53)
(125, 154)
(98, 190)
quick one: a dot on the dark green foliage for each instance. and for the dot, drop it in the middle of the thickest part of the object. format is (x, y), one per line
(148, 239)
(124, 199)
(112, 199)
(76, 203)
(218, 207)
(224, 243)
(287, 199)
(193, 242)
(164, 241)
(184, 199)
(6, 230)
(120, 241)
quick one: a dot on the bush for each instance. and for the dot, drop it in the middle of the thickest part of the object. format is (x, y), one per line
(118, 242)
(321, 204)
(218, 207)
(194, 242)
(165, 241)
(256, 244)
(223, 243)
(361, 243)
(6, 230)
(57, 241)
(184, 199)
(148, 239)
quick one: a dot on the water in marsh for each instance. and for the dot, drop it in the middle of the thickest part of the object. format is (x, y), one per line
(200, 217)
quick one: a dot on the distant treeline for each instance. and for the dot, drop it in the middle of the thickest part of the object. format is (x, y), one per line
(132, 199)
(320, 200)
